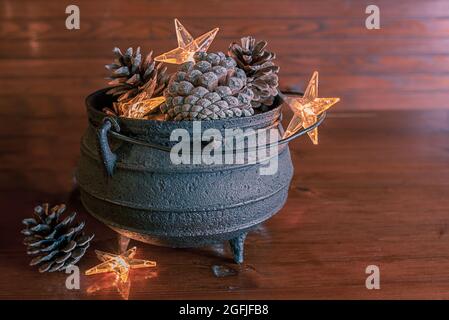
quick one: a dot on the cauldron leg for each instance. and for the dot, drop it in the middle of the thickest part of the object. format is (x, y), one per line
(237, 246)
(122, 242)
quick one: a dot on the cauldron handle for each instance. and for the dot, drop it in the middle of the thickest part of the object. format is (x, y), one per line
(109, 158)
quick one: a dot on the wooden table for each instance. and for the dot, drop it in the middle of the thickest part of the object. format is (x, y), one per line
(375, 192)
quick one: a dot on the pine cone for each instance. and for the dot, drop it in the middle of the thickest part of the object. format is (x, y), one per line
(258, 64)
(211, 87)
(56, 243)
(134, 80)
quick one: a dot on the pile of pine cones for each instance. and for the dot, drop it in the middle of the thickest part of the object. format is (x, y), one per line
(213, 86)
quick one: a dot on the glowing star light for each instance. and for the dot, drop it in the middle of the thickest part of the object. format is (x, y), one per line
(307, 109)
(119, 264)
(109, 281)
(187, 46)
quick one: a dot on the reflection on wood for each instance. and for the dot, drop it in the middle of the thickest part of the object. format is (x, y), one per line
(373, 192)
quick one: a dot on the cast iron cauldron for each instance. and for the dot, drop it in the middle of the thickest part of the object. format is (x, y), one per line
(129, 182)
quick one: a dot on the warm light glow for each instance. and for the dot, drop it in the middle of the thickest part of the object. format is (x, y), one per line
(187, 46)
(139, 107)
(307, 109)
(119, 264)
(109, 281)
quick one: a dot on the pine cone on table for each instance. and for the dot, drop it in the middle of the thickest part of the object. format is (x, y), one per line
(56, 243)
(134, 80)
(211, 87)
(260, 69)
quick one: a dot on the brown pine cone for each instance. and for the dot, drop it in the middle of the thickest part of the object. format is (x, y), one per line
(134, 80)
(211, 87)
(260, 69)
(56, 243)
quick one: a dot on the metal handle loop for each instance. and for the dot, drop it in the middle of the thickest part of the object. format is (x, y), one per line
(109, 123)
(280, 142)
(109, 158)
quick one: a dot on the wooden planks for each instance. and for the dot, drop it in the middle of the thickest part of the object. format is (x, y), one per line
(228, 9)
(76, 48)
(140, 28)
(299, 64)
(403, 65)
(373, 192)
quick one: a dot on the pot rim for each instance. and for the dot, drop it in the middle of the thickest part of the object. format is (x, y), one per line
(90, 105)
(146, 128)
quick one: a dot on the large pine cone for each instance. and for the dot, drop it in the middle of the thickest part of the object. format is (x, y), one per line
(211, 87)
(134, 79)
(260, 69)
(56, 243)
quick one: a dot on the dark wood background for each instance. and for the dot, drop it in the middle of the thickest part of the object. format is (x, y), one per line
(374, 192)
(403, 65)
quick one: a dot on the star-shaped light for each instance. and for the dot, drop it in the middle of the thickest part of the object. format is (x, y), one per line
(187, 46)
(307, 108)
(141, 105)
(140, 108)
(109, 281)
(120, 264)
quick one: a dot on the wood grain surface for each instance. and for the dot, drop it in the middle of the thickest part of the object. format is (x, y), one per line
(404, 65)
(375, 191)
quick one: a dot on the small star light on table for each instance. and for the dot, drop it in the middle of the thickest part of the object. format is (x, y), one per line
(120, 264)
(307, 108)
(187, 46)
